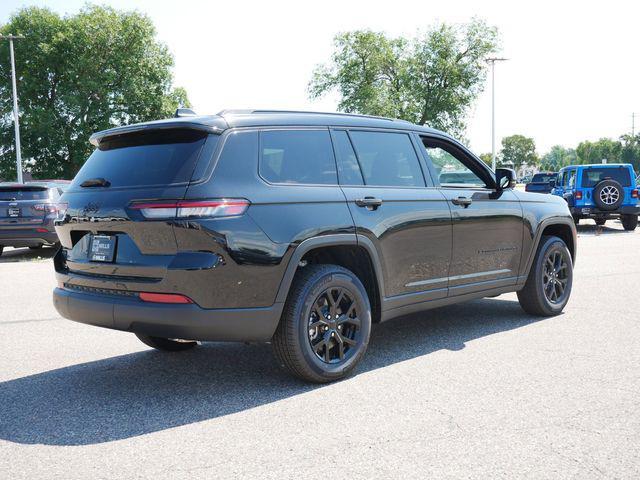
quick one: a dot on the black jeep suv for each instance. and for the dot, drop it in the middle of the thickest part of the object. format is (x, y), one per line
(299, 229)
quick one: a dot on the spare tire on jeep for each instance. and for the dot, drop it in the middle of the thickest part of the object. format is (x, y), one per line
(608, 194)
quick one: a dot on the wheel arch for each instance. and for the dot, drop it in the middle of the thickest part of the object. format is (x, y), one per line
(351, 251)
(562, 227)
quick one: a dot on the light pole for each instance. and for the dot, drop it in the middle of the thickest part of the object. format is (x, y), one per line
(16, 123)
(492, 61)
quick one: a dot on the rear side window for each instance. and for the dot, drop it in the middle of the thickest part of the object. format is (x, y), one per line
(387, 159)
(23, 193)
(154, 158)
(298, 156)
(591, 176)
(348, 168)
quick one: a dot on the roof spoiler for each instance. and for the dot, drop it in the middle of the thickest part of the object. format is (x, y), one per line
(184, 112)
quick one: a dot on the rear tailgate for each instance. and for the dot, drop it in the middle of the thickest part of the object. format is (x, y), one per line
(23, 206)
(147, 166)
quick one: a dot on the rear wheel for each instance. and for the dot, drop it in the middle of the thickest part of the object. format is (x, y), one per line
(548, 285)
(166, 344)
(576, 219)
(629, 222)
(1, 249)
(325, 326)
(35, 247)
(600, 221)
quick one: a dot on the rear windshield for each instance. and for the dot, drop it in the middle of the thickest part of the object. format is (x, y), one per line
(23, 193)
(543, 178)
(591, 176)
(152, 158)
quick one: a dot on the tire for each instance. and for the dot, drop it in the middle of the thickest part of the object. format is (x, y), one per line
(534, 298)
(1, 249)
(608, 194)
(576, 220)
(629, 222)
(600, 221)
(303, 349)
(165, 344)
(35, 247)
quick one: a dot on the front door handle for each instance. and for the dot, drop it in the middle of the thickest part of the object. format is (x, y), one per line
(462, 201)
(369, 202)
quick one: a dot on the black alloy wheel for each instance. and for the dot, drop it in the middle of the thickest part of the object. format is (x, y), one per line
(334, 326)
(556, 277)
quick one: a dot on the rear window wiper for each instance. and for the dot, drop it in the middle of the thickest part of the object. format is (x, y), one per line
(96, 182)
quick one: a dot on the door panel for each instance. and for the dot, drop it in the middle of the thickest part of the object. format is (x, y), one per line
(411, 230)
(487, 239)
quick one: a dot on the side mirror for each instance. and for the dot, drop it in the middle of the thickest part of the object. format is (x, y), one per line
(505, 178)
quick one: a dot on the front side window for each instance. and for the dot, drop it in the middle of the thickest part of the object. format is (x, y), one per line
(298, 157)
(451, 171)
(387, 159)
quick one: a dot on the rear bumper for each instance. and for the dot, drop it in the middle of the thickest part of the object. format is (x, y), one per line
(190, 321)
(591, 211)
(22, 239)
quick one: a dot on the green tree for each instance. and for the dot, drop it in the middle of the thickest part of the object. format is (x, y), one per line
(595, 152)
(518, 150)
(431, 79)
(486, 158)
(630, 151)
(558, 157)
(76, 75)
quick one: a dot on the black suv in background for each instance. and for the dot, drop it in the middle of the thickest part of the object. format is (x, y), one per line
(27, 213)
(299, 229)
(542, 182)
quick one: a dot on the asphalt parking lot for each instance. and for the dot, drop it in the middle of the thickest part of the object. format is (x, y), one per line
(476, 390)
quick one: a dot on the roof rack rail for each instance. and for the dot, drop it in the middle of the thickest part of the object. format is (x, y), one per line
(222, 113)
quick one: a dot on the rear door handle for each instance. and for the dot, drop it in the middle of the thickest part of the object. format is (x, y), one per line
(462, 201)
(369, 202)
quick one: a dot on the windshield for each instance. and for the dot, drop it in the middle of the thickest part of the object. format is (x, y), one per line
(593, 175)
(143, 159)
(543, 177)
(23, 193)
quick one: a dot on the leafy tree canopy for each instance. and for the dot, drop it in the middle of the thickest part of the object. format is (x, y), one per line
(431, 79)
(557, 158)
(76, 75)
(595, 152)
(518, 150)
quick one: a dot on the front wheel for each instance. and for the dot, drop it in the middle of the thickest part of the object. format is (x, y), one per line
(548, 285)
(166, 344)
(600, 221)
(629, 222)
(325, 326)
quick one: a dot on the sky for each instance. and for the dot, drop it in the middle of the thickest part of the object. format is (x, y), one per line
(573, 72)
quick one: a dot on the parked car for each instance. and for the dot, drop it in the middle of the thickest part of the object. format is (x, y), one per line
(27, 213)
(300, 229)
(600, 192)
(542, 182)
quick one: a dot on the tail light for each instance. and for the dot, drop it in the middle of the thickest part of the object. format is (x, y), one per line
(225, 207)
(578, 194)
(164, 298)
(45, 207)
(634, 193)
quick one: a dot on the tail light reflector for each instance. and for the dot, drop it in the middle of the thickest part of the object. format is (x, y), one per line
(578, 194)
(634, 193)
(164, 298)
(225, 207)
(42, 230)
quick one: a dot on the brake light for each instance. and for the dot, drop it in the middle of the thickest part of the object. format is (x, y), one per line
(44, 207)
(42, 230)
(164, 298)
(634, 193)
(578, 195)
(225, 207)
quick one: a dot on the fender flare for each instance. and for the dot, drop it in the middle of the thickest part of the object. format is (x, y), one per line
(342, 239)
(536, 240)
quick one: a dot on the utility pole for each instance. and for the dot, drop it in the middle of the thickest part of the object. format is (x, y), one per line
(633, 125)
(16, 122)
(492, 61)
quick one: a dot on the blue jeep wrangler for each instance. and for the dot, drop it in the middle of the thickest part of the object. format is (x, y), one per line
(600, 192)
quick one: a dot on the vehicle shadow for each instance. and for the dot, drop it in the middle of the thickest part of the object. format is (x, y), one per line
(138, 393)
(611, 227)
(26, 254)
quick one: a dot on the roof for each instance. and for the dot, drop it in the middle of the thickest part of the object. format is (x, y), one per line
(588, 165)
(263, 118)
